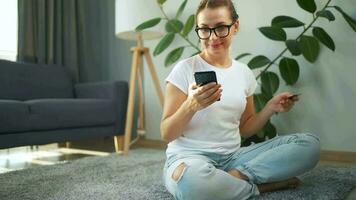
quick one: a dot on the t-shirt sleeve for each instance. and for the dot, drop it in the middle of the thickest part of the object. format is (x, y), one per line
(179, 76)
(251, 82)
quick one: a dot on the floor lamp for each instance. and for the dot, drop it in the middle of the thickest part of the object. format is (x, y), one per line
(127, 19)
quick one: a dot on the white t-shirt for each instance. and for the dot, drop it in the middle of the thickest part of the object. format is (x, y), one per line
(215, 128)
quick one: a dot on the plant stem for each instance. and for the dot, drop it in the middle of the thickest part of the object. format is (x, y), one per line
(300, 35)
(184, 37)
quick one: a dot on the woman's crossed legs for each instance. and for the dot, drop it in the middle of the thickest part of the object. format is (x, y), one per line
(271, 165)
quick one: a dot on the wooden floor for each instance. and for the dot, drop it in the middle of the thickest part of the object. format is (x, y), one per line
(26, 157)
(32, 156)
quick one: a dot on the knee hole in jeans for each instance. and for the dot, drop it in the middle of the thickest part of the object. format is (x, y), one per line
(178, 172)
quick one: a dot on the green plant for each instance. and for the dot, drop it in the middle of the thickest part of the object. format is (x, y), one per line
(307, 44)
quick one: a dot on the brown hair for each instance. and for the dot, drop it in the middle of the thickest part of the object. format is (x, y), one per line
(216, 4)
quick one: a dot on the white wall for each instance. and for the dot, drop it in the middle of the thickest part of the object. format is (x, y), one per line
(328, 86)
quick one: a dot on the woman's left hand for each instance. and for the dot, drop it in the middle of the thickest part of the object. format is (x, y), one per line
(281, 102)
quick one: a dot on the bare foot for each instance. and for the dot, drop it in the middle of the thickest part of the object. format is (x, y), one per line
(286, 184)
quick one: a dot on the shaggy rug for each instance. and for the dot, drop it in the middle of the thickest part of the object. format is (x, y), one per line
(139, 176)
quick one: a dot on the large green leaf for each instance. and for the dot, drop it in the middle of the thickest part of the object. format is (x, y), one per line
(270, 130)
(242, 55)
(289, 69)
(286, 22)
(173, 56)
(324, 38)
(258, 61)
(348, 19)
(326, 14)
(161, 2)
(266, 94)
(308, 5)
(310, 48)
(181, 8)
(189, 24)
(174, 26)
(164, 43)
(270, 83)
(293, 47)
(261, 134)
(274, 33)
(148, 24)
(259, 101)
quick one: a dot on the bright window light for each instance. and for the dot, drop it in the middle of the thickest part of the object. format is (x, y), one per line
(8, 33)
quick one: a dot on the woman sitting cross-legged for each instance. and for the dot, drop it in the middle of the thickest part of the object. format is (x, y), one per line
(203, 123)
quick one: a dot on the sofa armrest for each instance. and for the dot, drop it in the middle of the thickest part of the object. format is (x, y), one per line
(116, 91)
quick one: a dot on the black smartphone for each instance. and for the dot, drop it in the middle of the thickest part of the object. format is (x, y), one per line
(205, 77)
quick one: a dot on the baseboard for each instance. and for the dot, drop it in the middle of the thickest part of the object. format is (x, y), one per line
(338, 156)
(148, 143)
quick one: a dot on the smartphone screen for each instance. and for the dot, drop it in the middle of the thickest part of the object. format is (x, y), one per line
(205, 77)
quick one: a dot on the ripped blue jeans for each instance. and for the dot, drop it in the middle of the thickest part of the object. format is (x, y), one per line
(205, 174)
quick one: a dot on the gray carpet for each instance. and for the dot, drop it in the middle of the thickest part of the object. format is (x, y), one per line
(138, 176)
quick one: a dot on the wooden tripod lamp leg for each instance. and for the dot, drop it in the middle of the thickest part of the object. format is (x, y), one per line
(119, 143)
(131, 100)
(154, 75)
(141, 125)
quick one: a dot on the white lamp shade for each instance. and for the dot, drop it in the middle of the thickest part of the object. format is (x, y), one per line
(131, 13)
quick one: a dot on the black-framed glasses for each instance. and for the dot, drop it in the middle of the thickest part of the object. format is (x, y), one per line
(221, 31)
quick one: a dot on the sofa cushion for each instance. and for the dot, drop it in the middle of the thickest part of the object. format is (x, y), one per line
(14, 116)
(21, 81)
(47, 114)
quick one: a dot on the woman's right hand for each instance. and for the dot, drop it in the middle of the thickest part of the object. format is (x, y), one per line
(200, 97)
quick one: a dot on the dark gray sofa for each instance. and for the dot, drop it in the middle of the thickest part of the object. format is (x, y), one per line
(39, 104)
